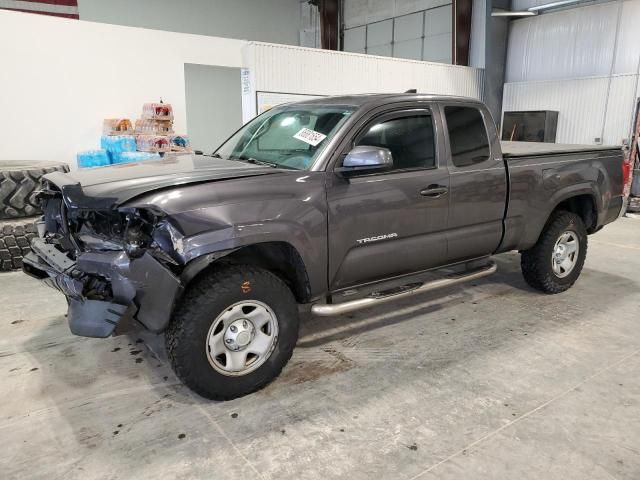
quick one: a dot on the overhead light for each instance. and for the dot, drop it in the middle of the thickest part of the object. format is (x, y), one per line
(548, 6)
(535, 10)
(513, 14)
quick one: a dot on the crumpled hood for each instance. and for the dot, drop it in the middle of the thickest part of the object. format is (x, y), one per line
(105, 187)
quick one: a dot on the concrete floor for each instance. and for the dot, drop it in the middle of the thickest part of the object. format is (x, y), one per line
(491, 381)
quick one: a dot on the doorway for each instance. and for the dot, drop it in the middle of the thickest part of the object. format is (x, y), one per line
(214, 104)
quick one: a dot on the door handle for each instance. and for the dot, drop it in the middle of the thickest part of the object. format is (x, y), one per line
(434, 191)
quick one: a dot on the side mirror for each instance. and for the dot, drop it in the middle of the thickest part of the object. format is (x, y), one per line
(365, 158)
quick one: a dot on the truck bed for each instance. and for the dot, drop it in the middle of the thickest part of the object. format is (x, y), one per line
(542, 175)
(531, 149)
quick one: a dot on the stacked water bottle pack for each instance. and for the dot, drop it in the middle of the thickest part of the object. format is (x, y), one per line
(153, 143)
(115, 144)
(147, 126)
(124, 149)
(114, 149)
(154, 131)
(117, 126)
(152, 136)
(93, 158)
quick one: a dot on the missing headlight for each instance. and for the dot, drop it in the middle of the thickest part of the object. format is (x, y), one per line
(138, 233)
(134, 230)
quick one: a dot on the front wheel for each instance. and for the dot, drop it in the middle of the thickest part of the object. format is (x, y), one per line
(233, 332)
(554, 263)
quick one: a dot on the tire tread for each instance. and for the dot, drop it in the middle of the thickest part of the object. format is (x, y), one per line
(15, 240)
(535, 262)
(183, 327)
(18, 187)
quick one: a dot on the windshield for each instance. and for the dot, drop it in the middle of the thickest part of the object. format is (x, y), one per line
(289, 136)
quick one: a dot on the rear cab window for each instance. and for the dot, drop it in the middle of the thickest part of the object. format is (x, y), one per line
(468, 138)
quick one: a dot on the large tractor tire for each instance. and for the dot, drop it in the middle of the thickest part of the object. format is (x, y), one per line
(18, 183)
(15, 237)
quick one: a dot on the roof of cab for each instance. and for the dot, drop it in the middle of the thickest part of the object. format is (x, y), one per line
(379, 99)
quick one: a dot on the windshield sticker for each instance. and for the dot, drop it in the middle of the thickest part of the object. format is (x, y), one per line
(310, 136)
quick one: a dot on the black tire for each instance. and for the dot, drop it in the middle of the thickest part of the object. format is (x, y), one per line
(18, 183)
(536, 263)
(15, 238)
(206, 298)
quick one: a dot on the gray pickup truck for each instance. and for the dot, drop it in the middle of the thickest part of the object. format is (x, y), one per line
(334, 204)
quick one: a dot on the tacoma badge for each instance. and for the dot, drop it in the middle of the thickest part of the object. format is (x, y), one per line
(377, 238)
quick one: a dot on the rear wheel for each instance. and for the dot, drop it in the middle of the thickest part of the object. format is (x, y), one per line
(554, 263)
(233, 332)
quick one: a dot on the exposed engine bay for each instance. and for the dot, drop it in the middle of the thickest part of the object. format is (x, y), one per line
(107, 262)
(132, 230)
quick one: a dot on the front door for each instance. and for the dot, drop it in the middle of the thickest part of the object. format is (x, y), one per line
(390, 223)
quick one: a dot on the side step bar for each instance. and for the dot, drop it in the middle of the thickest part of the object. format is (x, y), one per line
(330, 309)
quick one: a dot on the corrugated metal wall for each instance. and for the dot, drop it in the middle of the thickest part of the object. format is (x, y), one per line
(620, 109)
(280, 68)
(588, 113)
(573, 43)
(579, 121)
(582, 62)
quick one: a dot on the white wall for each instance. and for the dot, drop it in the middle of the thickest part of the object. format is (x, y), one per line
(281, 68)
(582, 62)
(277, 21)
(60, 78)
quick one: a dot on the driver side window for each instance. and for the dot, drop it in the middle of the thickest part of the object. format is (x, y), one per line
(410, 140)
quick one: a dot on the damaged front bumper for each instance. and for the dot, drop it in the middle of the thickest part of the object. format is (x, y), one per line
(137, 288)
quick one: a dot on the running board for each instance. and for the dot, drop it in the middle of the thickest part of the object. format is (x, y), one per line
(330, 309)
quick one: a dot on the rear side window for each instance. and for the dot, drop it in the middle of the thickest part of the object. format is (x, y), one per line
(467, 135)
(410, 140)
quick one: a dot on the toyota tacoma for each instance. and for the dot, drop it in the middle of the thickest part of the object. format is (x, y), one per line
(335, 204)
